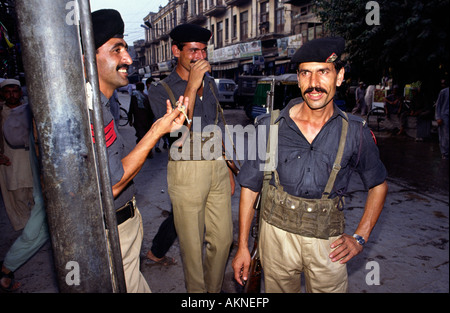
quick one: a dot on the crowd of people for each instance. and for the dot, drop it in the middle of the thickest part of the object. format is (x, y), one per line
(200, 190)
(398, 107)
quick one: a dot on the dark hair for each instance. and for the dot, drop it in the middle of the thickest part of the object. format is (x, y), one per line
(338, 64)
(180, 45)
(140, 86)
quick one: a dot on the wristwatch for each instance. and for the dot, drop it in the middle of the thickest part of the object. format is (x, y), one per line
(359, 239)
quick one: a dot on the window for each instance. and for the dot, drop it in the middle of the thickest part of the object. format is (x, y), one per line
(234, 30)
(311, 31)
(244, 25)
(303, 11)
(219, 35)
(264, 14)
(279, 17)
(227, 27)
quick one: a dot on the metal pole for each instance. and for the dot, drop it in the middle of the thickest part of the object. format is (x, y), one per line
(87, 34)
(56, 84)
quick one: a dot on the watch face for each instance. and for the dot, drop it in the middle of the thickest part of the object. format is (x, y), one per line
(359, 239)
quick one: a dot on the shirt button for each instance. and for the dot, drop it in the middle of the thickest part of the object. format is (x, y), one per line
(309, 209)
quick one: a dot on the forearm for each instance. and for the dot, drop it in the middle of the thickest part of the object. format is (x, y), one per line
(241, 260)
(134, 161)
(374, 205)
(246, 215)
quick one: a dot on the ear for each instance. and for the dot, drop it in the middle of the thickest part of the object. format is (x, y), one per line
(175, 51)
(340, 77)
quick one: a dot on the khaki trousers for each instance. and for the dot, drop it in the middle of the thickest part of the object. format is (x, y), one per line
(285, 255)
(200, 192)
(130, 236)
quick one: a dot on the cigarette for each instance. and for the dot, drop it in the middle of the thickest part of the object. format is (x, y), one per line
(182, 108)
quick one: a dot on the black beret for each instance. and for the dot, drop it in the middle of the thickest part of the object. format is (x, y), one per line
(107, 24)
(322, 50)
(190, 33)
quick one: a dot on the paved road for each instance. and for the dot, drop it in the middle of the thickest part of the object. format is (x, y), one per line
(407, 253)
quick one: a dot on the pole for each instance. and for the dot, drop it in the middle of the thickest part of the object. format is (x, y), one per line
(87, 34)
(56, 85)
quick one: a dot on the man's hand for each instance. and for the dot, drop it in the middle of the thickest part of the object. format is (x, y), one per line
(241, 265)
(346, 248)
(197, 73)
(173, 120)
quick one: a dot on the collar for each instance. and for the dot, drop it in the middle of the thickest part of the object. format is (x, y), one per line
(285, 112)
(103, 99)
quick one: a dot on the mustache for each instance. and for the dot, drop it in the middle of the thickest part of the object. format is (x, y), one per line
(317, 89)
(126, 66)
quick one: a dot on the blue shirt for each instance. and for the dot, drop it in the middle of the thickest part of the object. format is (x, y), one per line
(205, 108)
(115, 148)
(304, 168)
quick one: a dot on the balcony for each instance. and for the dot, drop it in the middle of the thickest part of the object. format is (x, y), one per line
(216, 10)
(196, 18)
(163, 36)
(298, 2)
(237, 2)
(306, 18)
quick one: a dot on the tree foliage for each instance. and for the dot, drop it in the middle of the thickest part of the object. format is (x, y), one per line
(410, 43)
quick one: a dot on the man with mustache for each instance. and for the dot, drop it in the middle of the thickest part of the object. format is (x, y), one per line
(199, 185)
(112, 65)
(319, 147)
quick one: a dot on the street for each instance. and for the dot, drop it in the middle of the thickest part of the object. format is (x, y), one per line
(407, 252)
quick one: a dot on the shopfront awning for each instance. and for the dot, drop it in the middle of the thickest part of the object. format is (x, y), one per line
(224, 67)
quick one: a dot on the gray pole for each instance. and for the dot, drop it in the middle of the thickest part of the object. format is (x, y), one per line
(87, 34)
(56, 84)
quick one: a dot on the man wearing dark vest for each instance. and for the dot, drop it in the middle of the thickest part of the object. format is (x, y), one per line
(319, 147)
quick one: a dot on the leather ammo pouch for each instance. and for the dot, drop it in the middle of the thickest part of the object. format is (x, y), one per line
(318, 218)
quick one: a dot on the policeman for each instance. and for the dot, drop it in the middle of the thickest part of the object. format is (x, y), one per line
(112, 64)
(199, 184)
(319, 147)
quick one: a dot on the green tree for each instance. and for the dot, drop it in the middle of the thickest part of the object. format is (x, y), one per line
(410, 42)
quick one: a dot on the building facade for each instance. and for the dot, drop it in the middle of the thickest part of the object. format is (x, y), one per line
(250, 37)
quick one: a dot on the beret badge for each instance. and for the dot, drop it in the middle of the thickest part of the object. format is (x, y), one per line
(331, 58)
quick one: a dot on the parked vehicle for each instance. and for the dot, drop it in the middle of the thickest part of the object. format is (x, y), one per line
(286, 89)
(227, 89)
(246, 90)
